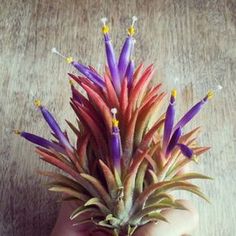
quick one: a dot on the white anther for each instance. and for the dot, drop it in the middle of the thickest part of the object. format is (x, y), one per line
(104, 20)
(217, 88)
(134, 19)
(54, 50)
(114, 111)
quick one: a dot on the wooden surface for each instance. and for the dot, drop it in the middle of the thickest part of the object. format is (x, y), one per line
(191, 42)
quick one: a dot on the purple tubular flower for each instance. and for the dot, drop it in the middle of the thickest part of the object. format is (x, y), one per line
(116, 148)
(94, 77)
(193, 111)
(130, 72)
(186, 151)
(55, 128)
(169, 120)
(125, 56)
(115, 141)
(173, 141)
(190, 114)
(111, 60)
(41, 141)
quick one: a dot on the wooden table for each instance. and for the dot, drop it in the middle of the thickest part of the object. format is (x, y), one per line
(191, 43)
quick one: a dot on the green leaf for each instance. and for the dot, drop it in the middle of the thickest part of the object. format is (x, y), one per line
(105, 224)
(153, 176)
(131, 229)
(136, 218)
(195, 191)
(99, 188)
(158, 188)
(82, 210)
(140, 177)
(129, 182)
(70, 191)
(64, 180)
(153, 217)
(191, 175)
(159, 197)
(97, 202)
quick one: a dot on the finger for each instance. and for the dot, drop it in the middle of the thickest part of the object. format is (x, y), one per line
(181, 222)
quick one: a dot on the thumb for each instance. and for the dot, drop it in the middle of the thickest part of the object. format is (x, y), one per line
(181, 222)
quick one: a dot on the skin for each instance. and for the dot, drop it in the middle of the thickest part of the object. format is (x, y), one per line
(181, 223)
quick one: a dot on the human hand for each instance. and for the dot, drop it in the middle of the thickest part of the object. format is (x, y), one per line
(181, 222)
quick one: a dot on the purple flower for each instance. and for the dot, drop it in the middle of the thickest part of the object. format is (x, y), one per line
(169, 120)
(125, 56)
(115, 149)
(54, 126)
(193, 111)
(41, 141)
(127, 51)
(115, 141)
(94, 77)
(130, 72)
(186, 151)
(173, 141)
(111, 59)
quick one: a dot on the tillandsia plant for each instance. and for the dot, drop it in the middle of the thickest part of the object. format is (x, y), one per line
(128, 157)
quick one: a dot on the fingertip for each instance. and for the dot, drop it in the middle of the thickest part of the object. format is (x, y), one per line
(182, 222)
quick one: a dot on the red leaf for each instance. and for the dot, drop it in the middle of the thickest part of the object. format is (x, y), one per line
(101, 105)
(111, 93)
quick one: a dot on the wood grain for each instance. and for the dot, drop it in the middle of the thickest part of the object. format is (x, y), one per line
(192, 44)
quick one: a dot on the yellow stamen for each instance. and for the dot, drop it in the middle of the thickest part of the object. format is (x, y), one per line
(174, 93)
(69, 60)
(210, 95)
(115, 122)
(37, 102)
(16, 131)
(105, 28)
(131, 29)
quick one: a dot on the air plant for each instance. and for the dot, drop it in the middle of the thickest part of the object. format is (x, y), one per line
(128, 157)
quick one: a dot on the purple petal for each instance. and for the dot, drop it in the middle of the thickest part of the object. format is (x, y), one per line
(190, 114)
(116, 149)
(41, 141)
(173, 141)
(169, 122)
(130, 72)
(111, 60)
(97, 79)
(55, 127)
(186, 151)
(94, 77)
(125, 56)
